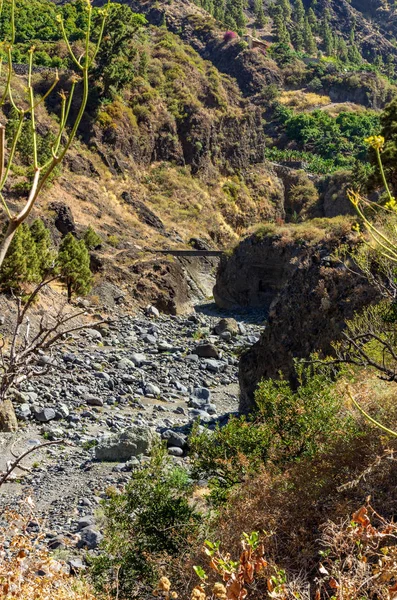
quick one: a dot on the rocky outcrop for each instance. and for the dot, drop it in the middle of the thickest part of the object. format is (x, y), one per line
(308, 314)
(63, 218)
(163, 284)
(256, 272)
(8, 420)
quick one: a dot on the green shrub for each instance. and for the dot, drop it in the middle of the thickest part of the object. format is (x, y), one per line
(91, 238)
(150, 521)
(113, 240)
(287, 425)
(301, 421)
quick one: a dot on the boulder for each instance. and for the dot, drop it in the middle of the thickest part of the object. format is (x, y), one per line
(8, 420)
(44, 414)
(207, 351)
(63, 220)
(90, 538)
(137, 439)
(227, 325)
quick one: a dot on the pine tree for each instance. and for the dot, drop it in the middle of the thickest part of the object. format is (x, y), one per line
(390, 67)
(284, 6)
(299, 13)
(42, 239)
(310, 42)
(21, 264)
(354, 55)
(259, 13)
(328, 38)
(74, 266)
(298, 38)
(311, 16)
(280, 30)
(342, 50)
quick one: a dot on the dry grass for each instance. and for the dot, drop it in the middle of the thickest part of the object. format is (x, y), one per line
(311, 231)
(303, 507)
(27, 571)
(302, 100)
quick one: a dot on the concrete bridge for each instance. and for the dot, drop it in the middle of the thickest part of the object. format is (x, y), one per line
(188, 253)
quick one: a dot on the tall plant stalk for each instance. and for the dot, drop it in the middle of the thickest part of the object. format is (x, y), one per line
(65, 136)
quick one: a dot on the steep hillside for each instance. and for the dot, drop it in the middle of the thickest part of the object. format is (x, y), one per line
(194, 130)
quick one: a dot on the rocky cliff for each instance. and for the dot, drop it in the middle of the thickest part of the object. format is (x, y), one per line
(307, 294)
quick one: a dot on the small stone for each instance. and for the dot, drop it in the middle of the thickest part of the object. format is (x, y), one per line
(92, 400)
(174, 451)
(152, 311)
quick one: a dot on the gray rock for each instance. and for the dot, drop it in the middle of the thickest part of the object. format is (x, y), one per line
(94, 334)
(138, 359)
(174, 451)
(127, 378)
(173, 438)
(163, 346)
(24, 411)
(214, 365)
(92, 400)
(62, 411)
(84, 522)
(192, 358)
(122, 446)
(125, 363)
(90, 538)
(76, 565)
(202, 393)
(102, 375)
(44, 415)
(152, 389)
(226, 335)
(152, 311)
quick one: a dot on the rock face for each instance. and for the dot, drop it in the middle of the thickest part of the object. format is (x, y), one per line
(256, 271)
(63, 220)
(308, 314)
(120, 447)
(163, 283)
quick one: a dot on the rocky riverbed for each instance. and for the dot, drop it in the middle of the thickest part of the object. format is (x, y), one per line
(113, 391)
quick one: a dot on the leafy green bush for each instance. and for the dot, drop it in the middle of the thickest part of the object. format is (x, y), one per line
(91, 238)
(150, 521)
(287, 425)
(301, 421)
